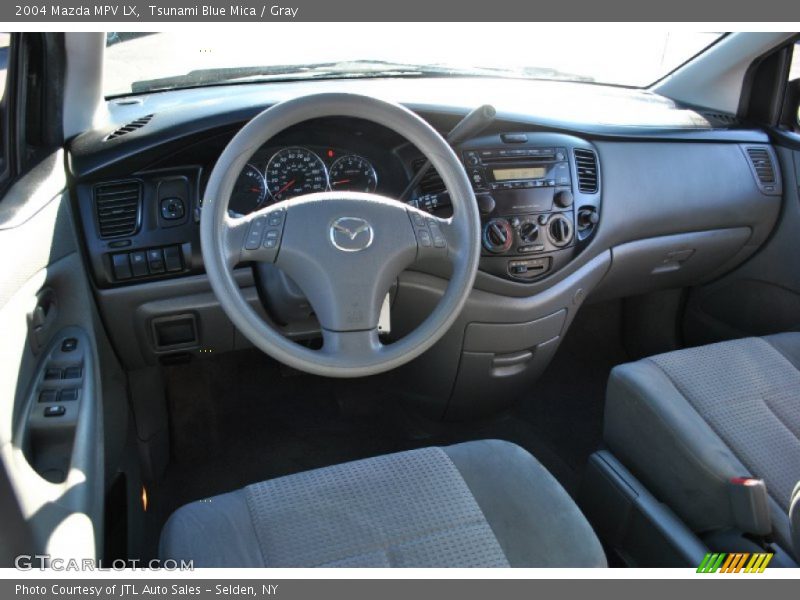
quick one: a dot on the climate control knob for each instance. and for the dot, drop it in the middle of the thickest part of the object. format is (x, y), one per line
(528, 232)
(498, 237)
(563, 198)
(559, 230)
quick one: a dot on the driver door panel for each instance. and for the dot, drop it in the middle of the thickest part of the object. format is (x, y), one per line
(52, 407)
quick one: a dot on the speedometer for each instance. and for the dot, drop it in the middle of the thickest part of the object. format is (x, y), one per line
(295, 171)
(249, 191)
(353, 173)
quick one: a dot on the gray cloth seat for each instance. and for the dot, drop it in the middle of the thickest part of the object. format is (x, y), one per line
(479, 504)
(689, 421)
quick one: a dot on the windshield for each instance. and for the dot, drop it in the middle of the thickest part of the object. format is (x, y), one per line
(143, 62)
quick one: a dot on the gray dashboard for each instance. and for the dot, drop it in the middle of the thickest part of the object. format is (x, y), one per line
(676, 202)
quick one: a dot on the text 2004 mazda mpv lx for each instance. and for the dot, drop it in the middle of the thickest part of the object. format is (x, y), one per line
(266, 308)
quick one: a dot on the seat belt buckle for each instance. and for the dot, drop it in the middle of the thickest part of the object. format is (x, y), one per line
(750, 505)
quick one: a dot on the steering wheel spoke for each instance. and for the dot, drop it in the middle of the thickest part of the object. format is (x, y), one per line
(362, 345)
(256, 237)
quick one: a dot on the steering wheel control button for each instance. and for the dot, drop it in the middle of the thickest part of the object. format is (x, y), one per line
(424, 238)
(255, 233)
(272, 238)
(438, 237)
(54, 411)
(275, 219)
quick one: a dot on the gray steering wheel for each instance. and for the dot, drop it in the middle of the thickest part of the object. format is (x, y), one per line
(343, 249)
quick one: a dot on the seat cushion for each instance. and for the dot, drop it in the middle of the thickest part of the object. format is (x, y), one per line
(686, 422)
(479, 504)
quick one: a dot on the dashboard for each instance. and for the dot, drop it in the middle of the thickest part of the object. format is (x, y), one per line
(570, 209)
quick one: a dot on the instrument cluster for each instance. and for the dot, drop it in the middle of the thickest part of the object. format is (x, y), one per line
(276, 174)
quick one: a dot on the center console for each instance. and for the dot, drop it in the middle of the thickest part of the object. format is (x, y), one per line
(538, 195)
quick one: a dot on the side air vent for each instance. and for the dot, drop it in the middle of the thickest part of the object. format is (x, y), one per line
(586, 165)
(118, 206)
(762, 163)
(132, 126)
(432, 183)
(764, 168)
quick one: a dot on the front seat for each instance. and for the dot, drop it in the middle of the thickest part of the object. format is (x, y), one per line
(478, 504)
(689, 423)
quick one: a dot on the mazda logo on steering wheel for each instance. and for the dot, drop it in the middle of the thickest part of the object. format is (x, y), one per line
(351, 234)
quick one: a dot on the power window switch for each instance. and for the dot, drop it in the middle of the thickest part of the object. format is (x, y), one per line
(68, 395)
(69, 344)
(54, 411)
(48, 395)
(51, 374)
(72, 373)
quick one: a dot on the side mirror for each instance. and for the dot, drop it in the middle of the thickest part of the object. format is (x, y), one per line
(790, 113)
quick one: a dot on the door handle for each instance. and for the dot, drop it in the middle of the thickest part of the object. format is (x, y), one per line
(41, 319)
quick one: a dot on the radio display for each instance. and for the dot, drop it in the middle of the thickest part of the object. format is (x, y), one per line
(519, 173)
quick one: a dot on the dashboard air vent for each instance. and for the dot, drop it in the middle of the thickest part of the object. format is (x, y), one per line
(432, 183)
(118, 206)
(586, 165)
(718, 119)
(762, 163)
(132, 126)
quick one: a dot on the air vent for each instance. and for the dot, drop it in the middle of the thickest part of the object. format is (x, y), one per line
(586, 165)
(432, 183)
(762, 163)
(132, 126)
(721, 119)
(118, 206)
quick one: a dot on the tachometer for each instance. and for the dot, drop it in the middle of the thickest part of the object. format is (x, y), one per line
(295, 171)
(249, 191)
(353, 173)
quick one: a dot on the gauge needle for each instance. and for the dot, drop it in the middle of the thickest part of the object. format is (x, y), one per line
(286, 187)
(341, 181)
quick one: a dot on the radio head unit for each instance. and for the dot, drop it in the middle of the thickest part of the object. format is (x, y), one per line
(499, 169)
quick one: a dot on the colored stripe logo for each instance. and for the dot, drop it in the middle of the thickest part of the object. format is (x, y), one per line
(737, 562)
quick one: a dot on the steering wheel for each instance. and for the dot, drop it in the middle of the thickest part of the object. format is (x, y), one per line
(343, 249)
